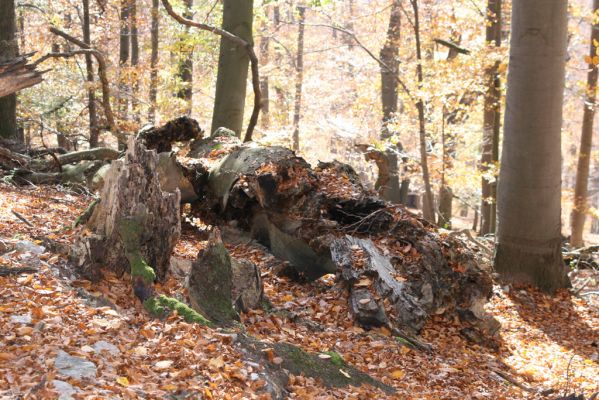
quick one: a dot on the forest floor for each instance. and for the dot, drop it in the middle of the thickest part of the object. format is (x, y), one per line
(51, 316)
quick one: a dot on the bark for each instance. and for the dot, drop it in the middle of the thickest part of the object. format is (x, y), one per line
(16, 75)
(135, 226)
(299, 77)
(134, 62)
(94, 129)
(491, 122)
(231, 81)
(264, 60)
(185, 67)
(529, 209)
(182, 129)
(8, 52)
(428, 210)
(155, 34)
(124, 53)
(281, 97)
(301, 214)
(580, 208)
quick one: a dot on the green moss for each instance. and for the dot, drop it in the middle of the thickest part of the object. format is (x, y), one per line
(336, 358)
(130, 232)
(84, 217)
(160, 305)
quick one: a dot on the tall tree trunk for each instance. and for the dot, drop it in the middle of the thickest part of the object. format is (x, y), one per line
(264, 58)
(389, 55)
(233, 61)
(155, 31)
(134, 62)
(299, 77)
(445, 191)
(124, 46)
(185, 68)
(491, 122)
(428, 208)
(529, 193)
(94, 129)
(281, 102)
(580, 209)
(8, 51)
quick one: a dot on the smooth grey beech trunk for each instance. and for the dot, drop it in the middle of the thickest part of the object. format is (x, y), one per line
(529, 210)
(233, 61)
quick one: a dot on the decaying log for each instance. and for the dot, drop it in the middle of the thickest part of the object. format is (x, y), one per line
(405, 271)
(161, 139)
(133, 205)
(17, 74)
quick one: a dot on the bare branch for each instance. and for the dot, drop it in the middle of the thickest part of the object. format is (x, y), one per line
(240, 42)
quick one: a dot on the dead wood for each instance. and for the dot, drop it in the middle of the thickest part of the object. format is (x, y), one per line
(161, 139)
(17, 74)
(4, 271)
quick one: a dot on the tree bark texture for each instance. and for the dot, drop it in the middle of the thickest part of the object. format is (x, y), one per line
(16, 74)
(8, 52)
(94, 129)
(233, 61)
(529, 198)
(581, 202)
(299, 76)
(491, 122)
(155, 32)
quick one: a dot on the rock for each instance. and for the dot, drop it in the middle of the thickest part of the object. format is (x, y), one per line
(74, 367)
(102, 345)
(64, 389)
(247, 288)
(210, 283)
(21, 319)
(25, 246)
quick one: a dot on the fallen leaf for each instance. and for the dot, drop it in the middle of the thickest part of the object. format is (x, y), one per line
(397, 374)
(164, 364)
(122, 380)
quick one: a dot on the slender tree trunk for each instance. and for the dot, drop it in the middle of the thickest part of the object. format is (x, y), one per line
(233, 61)
(445, 192)
(299, 77)
(8, 51)
(155, 30)
(134, 62)
(124, 53)
(264, 59)
(491, 122)
(389, 55)
(529, 210)
(185, 68)
(94, 129)
(282, 109)
(595, 220)
(580, 209)
(428, 208)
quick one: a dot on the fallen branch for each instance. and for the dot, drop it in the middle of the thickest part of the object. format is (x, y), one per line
(4, 271)
(249, 48)
(22, 218)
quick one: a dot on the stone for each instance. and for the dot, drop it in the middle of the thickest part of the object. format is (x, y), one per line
(74, 367)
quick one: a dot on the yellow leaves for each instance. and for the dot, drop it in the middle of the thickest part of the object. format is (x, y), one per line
(216, 363)
(7, 356)
(24, 330)
(122, 380)
(591, 60)
(397, 374)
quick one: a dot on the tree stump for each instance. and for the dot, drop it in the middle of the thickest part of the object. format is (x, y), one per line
(136, 220)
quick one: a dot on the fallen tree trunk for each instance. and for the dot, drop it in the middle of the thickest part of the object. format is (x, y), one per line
(402, 271)
(17, 74)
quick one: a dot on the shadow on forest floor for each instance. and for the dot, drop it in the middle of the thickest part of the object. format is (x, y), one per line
(558, 318)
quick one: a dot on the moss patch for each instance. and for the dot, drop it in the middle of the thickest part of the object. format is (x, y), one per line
(336, 358)
(160, 305)
(85, 216)
(130, 232)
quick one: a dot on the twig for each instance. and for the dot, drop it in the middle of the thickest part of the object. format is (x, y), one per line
(249, 48)
(16, 271)
(514, 382)
(568, 374)
(22, 218)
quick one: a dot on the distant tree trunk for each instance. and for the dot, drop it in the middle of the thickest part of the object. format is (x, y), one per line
(185, 68)
(580, 209)
(491, 122)
(124, 45)
(299, 77)
(134, 62)
(428, 206)
(281, 101)
(154, 60)
(529, 210)
(445, 191)
(8, 51)
(389, 55)
(264, 58)
(233, 61)
(94, 129)
(595, 220)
